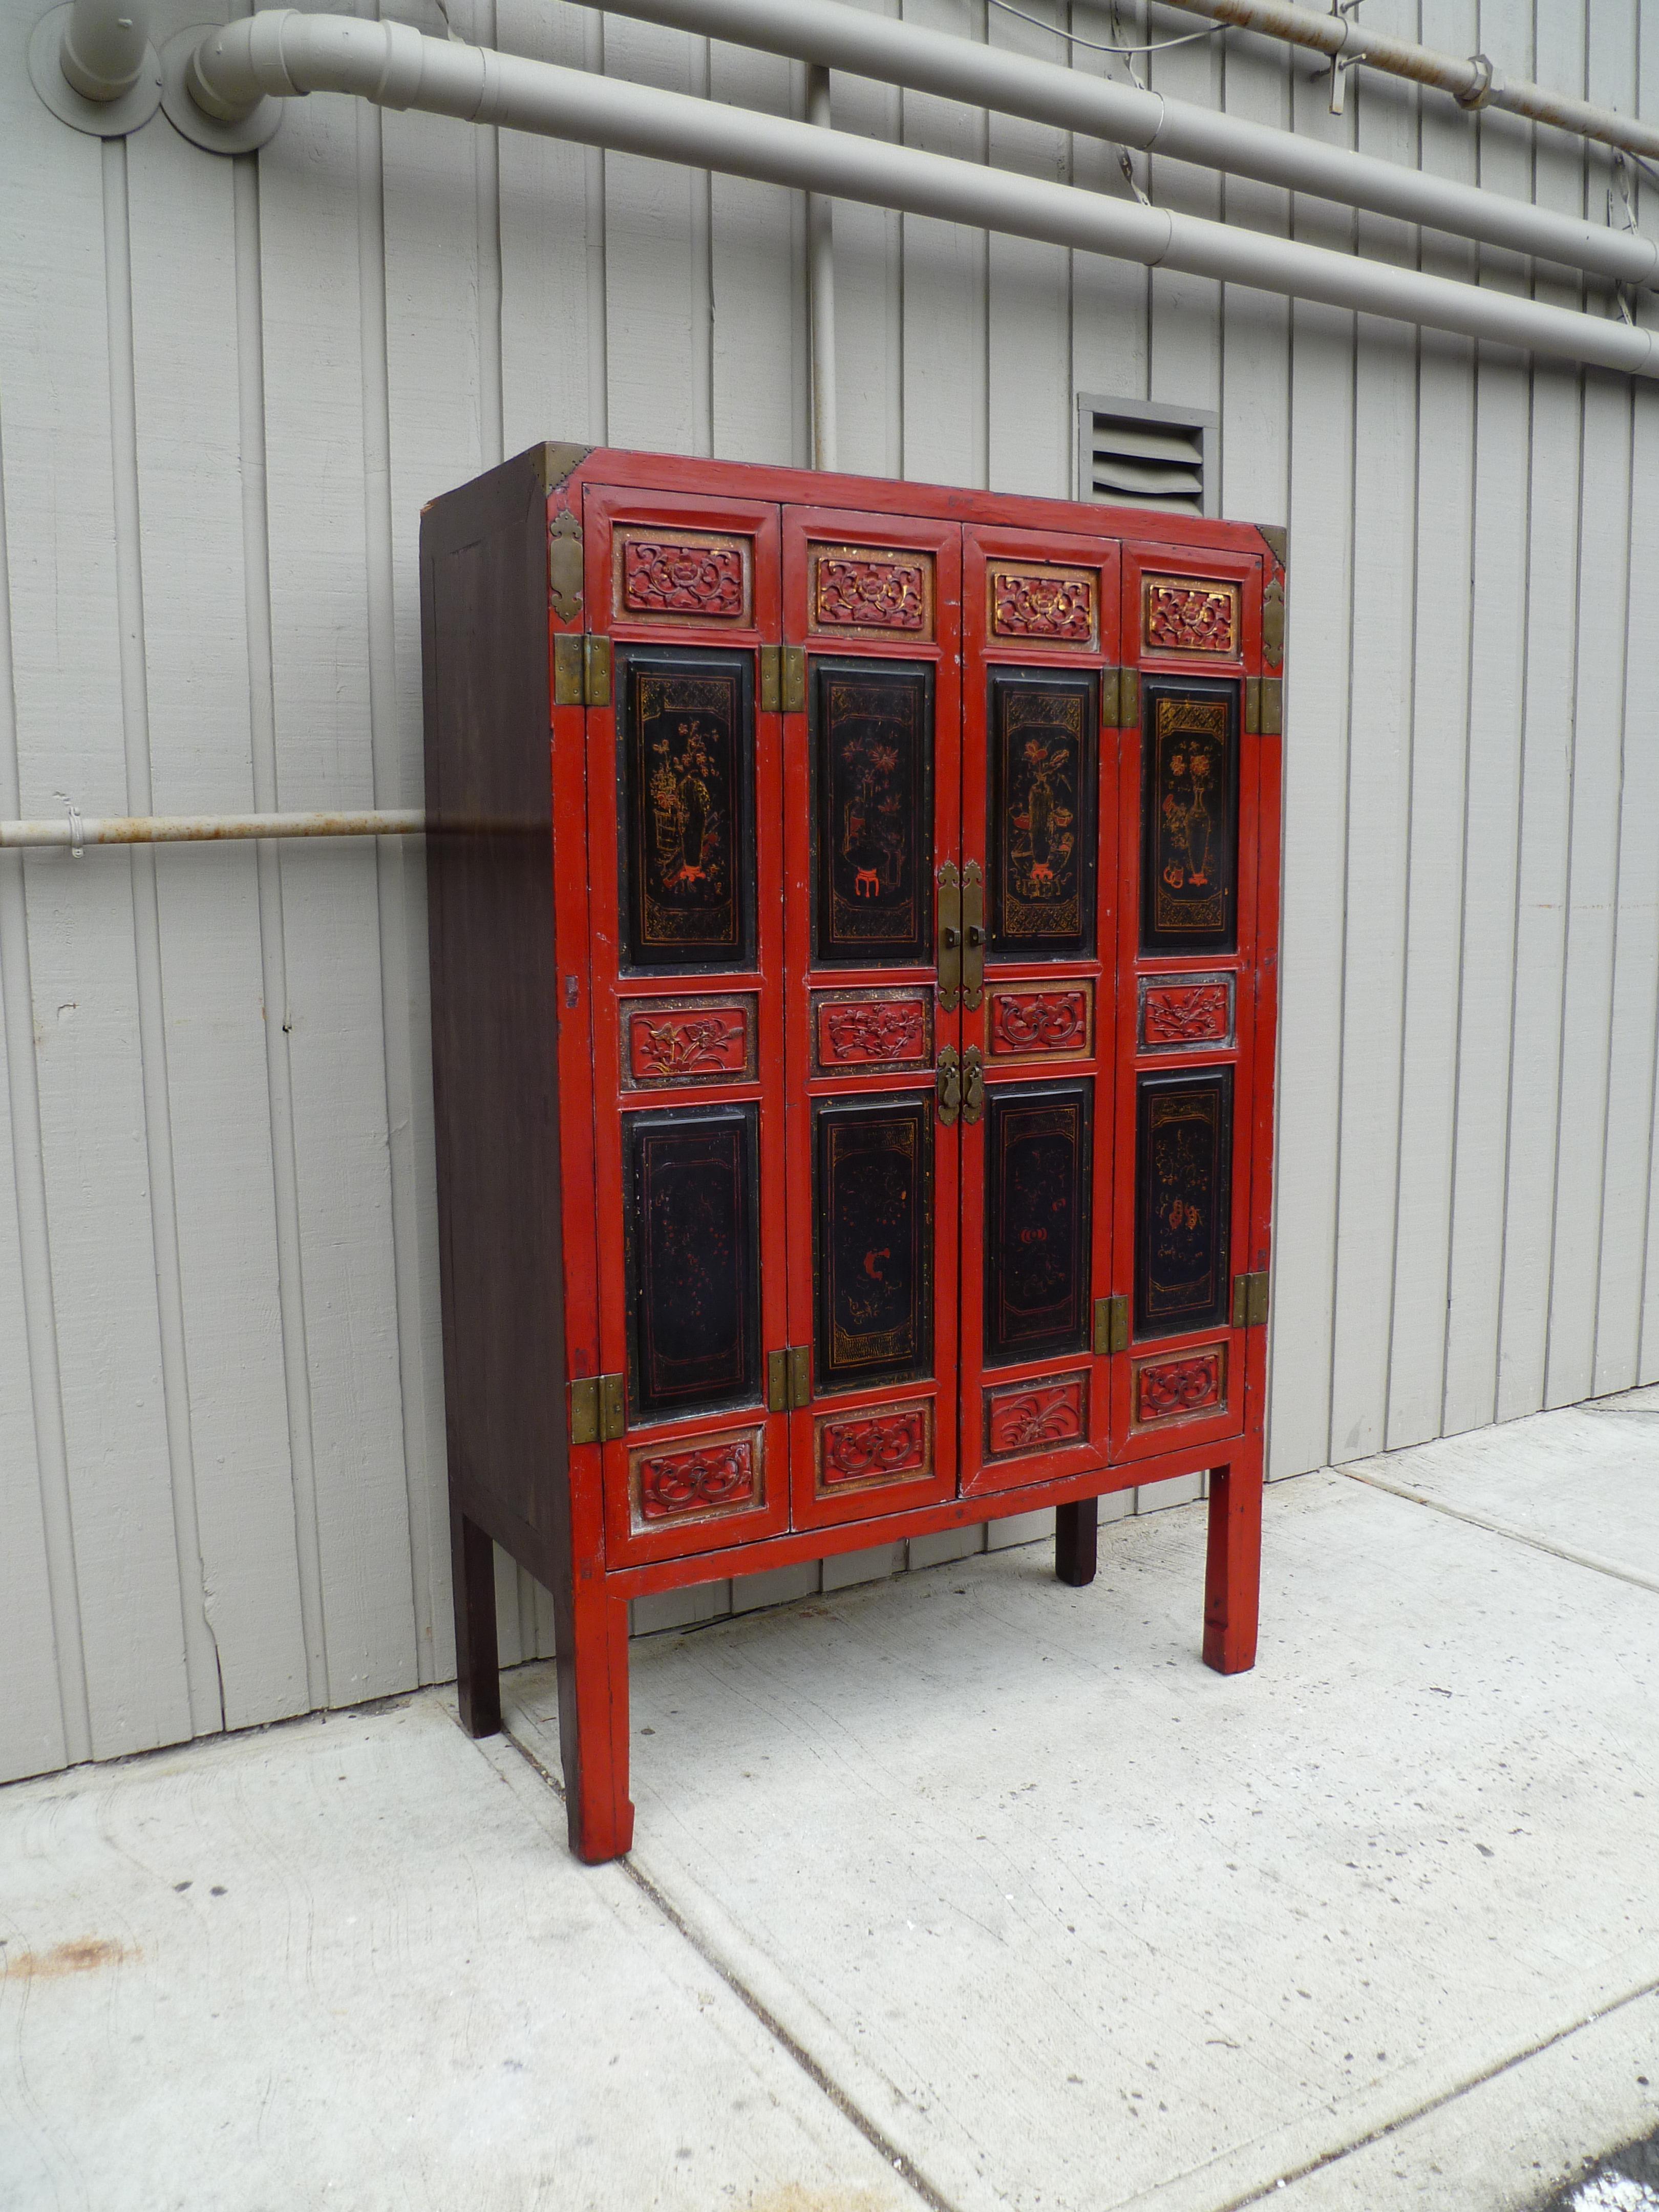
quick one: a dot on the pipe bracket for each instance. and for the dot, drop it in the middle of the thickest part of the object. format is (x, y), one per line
(244, 135)
(1487, 82)
(99, 119)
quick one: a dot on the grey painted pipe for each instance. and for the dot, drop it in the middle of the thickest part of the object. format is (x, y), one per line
(284, 53)
(104, 45)
(73, 831)
(1472, 83)
(868, 44)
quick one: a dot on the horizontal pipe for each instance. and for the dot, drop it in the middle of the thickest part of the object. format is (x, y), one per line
(192, 828)
(282, 53)
(835, 36)
(1472, 83)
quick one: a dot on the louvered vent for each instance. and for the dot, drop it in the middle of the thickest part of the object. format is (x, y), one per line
(1135, 454)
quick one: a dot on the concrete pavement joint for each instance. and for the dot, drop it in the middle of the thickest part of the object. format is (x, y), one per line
(1632, 1574)
(873, 2135)
(1259, 2195)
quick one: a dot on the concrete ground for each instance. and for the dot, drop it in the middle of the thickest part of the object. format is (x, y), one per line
(964, 1890)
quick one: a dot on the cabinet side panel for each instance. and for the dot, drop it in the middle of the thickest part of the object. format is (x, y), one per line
(494, 1002)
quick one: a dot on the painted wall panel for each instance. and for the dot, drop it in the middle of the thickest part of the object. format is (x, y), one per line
(222, 1433)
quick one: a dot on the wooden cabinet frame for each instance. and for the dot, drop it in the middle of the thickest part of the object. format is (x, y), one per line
(666, 701)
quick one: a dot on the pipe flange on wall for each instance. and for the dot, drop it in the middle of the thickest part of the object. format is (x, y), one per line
(100, 118)
(246, 135)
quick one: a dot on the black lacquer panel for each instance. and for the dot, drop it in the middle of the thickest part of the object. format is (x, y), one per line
(1041, 815)
(873, 1234)
(1190, 817)
(873, 812)
(1037, 1152)
(693, 1250)
(1183, 1200)
(686, 737)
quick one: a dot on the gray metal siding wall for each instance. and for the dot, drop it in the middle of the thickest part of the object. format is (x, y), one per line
(225, 391)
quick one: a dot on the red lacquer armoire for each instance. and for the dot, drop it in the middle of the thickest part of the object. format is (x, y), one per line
(853, 915)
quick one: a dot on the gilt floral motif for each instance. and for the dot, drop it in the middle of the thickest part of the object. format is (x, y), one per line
(1190, 616)
(1058, 608)
(663, 577)
(866, 594)
(682, 1046)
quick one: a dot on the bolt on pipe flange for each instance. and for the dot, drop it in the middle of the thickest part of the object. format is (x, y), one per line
(99, 119)
(244, 136)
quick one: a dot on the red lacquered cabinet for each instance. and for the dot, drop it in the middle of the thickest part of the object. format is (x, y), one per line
(853, 928)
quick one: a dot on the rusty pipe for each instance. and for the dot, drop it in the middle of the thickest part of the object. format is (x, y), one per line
(75, 831)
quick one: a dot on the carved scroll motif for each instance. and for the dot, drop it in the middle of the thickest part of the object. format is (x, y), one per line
(876, 1447)
(1194, 1385)
(1059, 607)
(1190, 616)
(661, 577)
(1045, 1021)
(702, 1480)
(1034, 1416)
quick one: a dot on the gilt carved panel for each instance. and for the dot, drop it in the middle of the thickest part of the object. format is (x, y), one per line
(875, 1030)
(702, 1480)
(859, 590)
(1178, 1013)
(1055, 606)
(1043, 1021)
(671, 1044)
(1190, 614)
(1030, 1416)
(682, 576)
(889, 1444)
(1177, 1389)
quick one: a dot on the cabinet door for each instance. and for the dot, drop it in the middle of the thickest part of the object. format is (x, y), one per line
(1190, 837)
(872, 698)
(686, 874)
(1039, 839)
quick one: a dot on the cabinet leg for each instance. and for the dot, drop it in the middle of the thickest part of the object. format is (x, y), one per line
(1077, 1534)
(593, 1726)
(1232, 1580)
(478, 1664)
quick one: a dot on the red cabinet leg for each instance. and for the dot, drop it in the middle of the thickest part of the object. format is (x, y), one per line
(593, 1726)
(477, 1666)
(1077, 1535)
(1232, 1580)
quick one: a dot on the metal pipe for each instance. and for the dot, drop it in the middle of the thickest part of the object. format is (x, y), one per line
(104, 45)
(834, 36)
(1472, 83)
(75, 832)
(821, 285)
(283, 53)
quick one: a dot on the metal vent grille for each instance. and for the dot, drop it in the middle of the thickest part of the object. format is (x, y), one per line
(1134, 453)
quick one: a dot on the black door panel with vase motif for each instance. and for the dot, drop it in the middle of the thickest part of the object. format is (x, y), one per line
(1183, 1200)
(685, 735)
(871, 730)
(1040, 814)
(1189, 815)
(1037, 1172)
(693, 1258)
(873, 1233)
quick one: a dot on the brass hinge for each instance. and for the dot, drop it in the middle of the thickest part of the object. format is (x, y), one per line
(1272, 706)
(949, 1080)
(794, 679)
(788, 1379)
(1128, 699)
(973, 936)
(973, 1083)
(1250, 1299)
(581, 670)
(598, 1409)
(1253, 706)
(948, 949)
(1111, 1327)
(1109, 698)
(771, 688)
